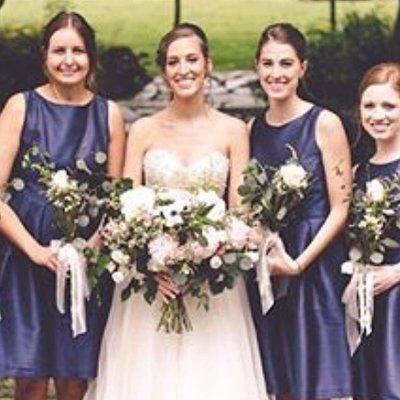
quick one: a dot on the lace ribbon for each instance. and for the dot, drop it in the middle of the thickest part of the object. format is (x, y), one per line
(358, 298)
(73, 266)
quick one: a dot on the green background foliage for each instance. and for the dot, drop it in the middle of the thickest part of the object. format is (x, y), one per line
(233, 26)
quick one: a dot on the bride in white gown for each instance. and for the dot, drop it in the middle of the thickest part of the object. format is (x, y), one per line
(187, 144)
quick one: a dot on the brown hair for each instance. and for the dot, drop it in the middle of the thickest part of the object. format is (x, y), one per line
(181, 31)
(381, 74)
(283, 33)
(76, 21)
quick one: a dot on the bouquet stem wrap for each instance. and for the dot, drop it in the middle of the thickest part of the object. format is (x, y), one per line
(73, 266)
(358, 298)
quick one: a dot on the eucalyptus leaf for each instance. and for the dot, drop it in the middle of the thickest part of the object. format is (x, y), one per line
(376, 257)
(100, 157)
(229, 258)
(281, 213)
(355, 254)
(246, 264)
(83, 221)
(390, 243)
(18, 184)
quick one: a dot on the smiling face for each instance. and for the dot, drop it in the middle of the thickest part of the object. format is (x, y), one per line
(279, 70)
(66, 58)
(186, 67)
(380, 111)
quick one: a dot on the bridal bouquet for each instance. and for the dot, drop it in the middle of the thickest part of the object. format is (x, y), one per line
(187, 236)
(373, 214)
(272, 195)
(75, 204)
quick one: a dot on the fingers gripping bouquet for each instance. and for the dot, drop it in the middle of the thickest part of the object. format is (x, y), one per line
(374, 212)
(188, 237)
(272, 195)
(75, 203)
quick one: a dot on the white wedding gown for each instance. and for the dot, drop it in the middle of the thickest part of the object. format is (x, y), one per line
(218, 360)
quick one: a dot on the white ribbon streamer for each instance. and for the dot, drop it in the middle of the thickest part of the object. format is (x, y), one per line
(358, 298)
(73, 265)
(264, 276)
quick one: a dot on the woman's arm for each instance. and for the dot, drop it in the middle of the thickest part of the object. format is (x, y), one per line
(332, 141)
(138, 142)
(11, 123)
(116, 147)
(239, 157)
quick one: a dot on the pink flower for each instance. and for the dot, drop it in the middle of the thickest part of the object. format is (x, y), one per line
(238, 233)
(161, 249)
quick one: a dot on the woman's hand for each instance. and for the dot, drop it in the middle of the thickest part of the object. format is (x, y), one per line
(45, 256)
(385, 277)
(280, 262)
(95, 242)
(166, 287)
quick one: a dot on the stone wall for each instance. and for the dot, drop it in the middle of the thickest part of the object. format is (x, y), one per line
(235, 92)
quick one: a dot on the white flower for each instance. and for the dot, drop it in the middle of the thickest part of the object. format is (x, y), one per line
(293, 175)
(118, 276)
(60, 180)
(120, 257)
(137, 201)
(162, 248)
(237, 232)
(375, 190)
(172, 214)
(253, 255)
(180, 200)
(215, 262)
(214, 239)
(111, 267)
(210, 198)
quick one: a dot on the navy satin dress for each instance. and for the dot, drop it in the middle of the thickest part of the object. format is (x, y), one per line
(376, 363)
(302, 338)
(35, 339)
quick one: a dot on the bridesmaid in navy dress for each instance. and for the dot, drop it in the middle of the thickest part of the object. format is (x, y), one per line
(68, 121)
(377, 360)
(302, 338)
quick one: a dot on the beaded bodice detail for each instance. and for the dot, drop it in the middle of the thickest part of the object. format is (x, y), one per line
(163, 168)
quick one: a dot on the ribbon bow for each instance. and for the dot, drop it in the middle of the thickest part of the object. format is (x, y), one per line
(73, 266)
(358, 298)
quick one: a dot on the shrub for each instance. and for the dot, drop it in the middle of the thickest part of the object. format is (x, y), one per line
(339, 59)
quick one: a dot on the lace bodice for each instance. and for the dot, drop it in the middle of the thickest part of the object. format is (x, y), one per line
(163, 168)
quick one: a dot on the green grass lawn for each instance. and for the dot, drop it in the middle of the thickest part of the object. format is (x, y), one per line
(233, 26)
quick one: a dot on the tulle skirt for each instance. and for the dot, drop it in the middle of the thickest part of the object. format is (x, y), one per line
(218, 360)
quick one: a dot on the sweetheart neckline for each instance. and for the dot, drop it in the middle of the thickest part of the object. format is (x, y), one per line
(190, 164)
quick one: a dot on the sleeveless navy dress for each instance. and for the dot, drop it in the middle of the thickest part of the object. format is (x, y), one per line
(35, 339)
(376, 363)
(302, 338)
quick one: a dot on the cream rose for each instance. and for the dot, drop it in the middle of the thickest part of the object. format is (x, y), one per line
(137, 201)
(60, 180)
(293, 175)
(375, 190)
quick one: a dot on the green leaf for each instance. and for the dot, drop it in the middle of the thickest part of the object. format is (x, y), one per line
(390, 243)
(126, 293)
